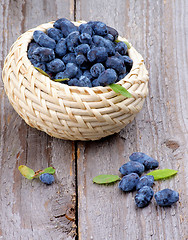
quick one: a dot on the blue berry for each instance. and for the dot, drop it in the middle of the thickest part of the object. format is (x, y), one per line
(113, 32)
(88, 74)
(44, 40)
(82, 49)
(57, 24)
(81, 59)
(69, 58)
(97, 69)
(40, 65)
(166, 197)
(56, 66)
(147, 180)
(84, 82)
(109, 37)
(61, 48)
(116, 64)
(54, 33)
(97, 54)
(100, 28)
(102, 42)
(95, 83)
(72, 40)
(85, 28)
(132, 167)
(128, 183)
(85, 38)
(121, 47)
(67, 27)
(71, 70)
(73, 82)
(32, 46)
(47, 178)
(107, 77)
(121, 76)
(42, 54)
(144, 196)
(61, 75)
(146, 160)
(128, 62)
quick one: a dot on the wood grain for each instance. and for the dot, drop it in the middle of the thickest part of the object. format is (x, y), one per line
(30, 209)
(159, 32)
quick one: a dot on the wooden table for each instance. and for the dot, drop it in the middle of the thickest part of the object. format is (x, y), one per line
(73, 207)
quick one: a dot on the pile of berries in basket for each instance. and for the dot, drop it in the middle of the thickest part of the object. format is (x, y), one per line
(86, 56)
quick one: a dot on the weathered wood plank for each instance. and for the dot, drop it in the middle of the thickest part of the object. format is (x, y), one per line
(158, 30)
(30, 209)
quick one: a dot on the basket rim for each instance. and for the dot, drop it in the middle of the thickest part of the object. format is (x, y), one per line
(43, 27)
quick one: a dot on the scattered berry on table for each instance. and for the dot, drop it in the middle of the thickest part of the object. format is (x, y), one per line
(91, 47)
(132, 167)
(166, 197)
(146, 160)
(144, 196)
(128, 183)
(47, 178)
(147, 180)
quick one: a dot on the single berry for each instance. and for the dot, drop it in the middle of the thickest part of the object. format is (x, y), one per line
(67, 27)
(113, 32)
(95, 83)
(146, 160)
(85, 38)
(144, 196)
(147, 180)
(121, 47)
(97, 69)
(128, 183)
(57, 23)
(116, 63)
(97, 54)
(166, 197)
(128, 62)
(72, 40)
(61, 48)
(55, 34)
(132, 167)
(42, 54)
(85, 28)
(87, 74)
(82, 49)
(109, 37)
(107, 77)
(100, 28)
(32, 46)
(69, 58)
(73, 82)
(81, 59)
(47, 178)
(84, 82)
(56, 66)
(44, 40)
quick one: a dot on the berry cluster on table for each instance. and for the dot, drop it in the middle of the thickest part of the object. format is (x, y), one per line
(86, 56)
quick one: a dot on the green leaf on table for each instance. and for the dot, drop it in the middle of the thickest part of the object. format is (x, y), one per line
(162, 173)
(49, 170)
(61, 79)
(42, 72)
(105, 179)
(121, 90)
(26, 172)
(126, 42)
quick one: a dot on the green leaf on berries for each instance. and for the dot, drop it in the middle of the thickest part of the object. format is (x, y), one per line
(26, 172)
(121, 90)
(162, 173)
(126, 42)
(61, 79)
(105, 179)
(42, 72)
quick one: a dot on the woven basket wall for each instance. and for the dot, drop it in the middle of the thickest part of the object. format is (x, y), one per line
(70, 112)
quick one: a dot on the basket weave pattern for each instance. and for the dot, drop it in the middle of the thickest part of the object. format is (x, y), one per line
(70, 112)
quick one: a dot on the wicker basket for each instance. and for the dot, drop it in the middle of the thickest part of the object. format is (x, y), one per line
(70, 112)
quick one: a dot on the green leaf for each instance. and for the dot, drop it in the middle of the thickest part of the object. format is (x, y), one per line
(26, 172)
(119, 89)
(61, 80)
(126, 42)
(42, 72)
(162, 173)
(49, 170)
(105, 179)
